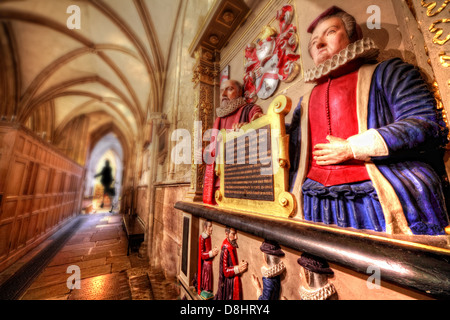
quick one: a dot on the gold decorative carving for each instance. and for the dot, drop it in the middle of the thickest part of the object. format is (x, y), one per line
(268, 198)
(439, 32)
(214, 39)
(205, 74)
(228, 17)
(431, 5)
(444, 59)
(437, 95)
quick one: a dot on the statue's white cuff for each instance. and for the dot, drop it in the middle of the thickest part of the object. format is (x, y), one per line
(210, 254)
(368, 144)
(236, 269)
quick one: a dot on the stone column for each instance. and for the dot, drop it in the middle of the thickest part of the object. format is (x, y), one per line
(156, 118)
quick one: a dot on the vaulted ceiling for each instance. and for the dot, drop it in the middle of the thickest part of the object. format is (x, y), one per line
(112, 69)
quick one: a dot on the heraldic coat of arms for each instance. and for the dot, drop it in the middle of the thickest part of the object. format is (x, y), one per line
(272, 58)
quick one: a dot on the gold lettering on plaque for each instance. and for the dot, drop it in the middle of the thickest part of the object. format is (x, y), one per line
(439, 32)
(430, 6)
(444, 59)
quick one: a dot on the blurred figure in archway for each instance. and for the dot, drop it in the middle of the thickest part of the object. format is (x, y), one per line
(106, 181)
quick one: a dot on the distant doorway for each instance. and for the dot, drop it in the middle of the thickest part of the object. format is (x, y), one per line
(107, 149)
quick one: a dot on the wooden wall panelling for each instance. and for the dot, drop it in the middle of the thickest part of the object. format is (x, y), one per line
(38, 191)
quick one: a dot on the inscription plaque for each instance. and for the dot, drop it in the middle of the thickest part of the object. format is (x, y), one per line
(248, 171)
(253, 165)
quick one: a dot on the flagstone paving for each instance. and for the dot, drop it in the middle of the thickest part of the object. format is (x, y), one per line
(99, 249)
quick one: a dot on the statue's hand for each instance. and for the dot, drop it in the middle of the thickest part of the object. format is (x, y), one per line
(238, 126)
(243, 266)
(255, 282)
(335, 152)
(256, 116)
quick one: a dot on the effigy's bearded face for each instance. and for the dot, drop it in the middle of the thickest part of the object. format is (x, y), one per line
(328, 39)
(232, 238)
(229, 91)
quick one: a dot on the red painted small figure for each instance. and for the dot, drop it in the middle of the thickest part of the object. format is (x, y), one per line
(230, 269)
(206, 255)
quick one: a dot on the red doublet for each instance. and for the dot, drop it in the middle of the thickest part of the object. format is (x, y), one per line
(205, 245)
(203, 258)
(228, 271)
(337, 118)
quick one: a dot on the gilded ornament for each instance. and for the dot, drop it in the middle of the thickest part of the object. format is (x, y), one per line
(208, 55)
(444, 59)
(431, 5)
(228, 17)
(214, 39)
(218, 196)
(284, 202)
(439, 32)
(437, 95)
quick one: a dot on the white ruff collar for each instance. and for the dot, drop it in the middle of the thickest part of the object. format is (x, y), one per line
(319, 294)
(364, 48)
(274, 270)
(232, 106)
(205, 235)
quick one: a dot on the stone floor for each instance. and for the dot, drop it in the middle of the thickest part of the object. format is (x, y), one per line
(99, 250)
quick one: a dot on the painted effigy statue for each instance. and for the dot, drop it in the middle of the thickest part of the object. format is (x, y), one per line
(230, 268)
(234, 112)
(271, 272)
(314, 274)
(367, 150)
(206, 254)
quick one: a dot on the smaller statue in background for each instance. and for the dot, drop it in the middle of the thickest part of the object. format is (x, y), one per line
(271, 272)
(206, 255)
(314, 276)
(230, 269)
(233, 113)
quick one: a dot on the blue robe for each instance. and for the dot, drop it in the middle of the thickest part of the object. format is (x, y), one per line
(271, 288)
(403, 110)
